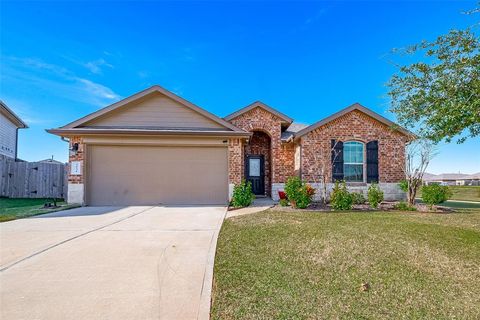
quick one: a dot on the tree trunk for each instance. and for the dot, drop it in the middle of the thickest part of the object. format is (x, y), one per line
(412, 192)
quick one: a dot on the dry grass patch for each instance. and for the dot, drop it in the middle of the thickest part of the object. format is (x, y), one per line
(290, 265)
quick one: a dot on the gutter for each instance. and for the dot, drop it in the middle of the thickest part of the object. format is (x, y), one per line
(85, 132)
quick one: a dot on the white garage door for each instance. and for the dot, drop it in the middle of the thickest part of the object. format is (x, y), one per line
(150, 175)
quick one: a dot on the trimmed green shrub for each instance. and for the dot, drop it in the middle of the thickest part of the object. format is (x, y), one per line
(242, 194)
(292, 187)
(358, 198)
(375, 195)
(434, 194)
(340, 198)
(298, 192)
(283, 202)
(403, 185)
(403, 206)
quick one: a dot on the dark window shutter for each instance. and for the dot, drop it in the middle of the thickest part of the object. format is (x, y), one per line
(337, 160)
(372, 161)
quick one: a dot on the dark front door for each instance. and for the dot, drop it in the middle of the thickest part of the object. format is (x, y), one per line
(255, 173)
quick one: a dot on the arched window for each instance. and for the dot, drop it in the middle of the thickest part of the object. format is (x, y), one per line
(353, 161)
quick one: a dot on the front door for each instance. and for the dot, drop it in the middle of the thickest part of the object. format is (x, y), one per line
(255, 173)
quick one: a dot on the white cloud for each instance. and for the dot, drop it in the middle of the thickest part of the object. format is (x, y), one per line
(98, 90)
(55, 80)
(96, 66)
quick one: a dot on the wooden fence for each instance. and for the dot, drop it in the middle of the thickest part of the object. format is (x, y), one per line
(32, 179)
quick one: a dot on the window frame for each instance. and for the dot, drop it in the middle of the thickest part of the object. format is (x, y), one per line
(363, 163)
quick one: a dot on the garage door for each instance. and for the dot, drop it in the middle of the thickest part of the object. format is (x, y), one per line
(149, 175)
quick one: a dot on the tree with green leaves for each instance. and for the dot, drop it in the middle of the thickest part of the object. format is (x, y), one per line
(439, 97)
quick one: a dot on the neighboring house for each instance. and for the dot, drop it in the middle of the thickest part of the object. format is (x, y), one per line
(50, 161)
(9, 125)
(453, 179)
(157, 148)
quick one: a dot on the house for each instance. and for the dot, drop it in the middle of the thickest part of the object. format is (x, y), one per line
(155, 147)
(452, 179)
(52, 161)
(9, 125)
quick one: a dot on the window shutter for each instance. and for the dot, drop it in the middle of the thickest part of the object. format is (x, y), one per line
(337, 160)
(372, 161)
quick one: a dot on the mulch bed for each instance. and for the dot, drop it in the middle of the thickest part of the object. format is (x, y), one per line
(384, 206)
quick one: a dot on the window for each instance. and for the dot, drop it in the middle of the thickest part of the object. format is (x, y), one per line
(353, 161)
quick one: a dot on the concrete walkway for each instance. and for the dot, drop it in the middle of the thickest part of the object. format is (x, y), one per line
(110, 263)
(258, 205)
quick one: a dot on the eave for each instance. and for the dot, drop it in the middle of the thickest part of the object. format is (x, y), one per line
(146, 132)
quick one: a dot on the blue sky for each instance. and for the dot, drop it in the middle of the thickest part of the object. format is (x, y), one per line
(63, 60)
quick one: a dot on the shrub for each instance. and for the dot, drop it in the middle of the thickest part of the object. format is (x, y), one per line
(298, 192)
(434, 194)
(358, 198)
(375, 195)
(305, 196)
(283, 202)
(341, 199)
(242, 194)
(403, 206)
(403, 185)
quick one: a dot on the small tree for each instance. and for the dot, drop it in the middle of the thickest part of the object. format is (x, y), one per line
(418, 155)
(325, 162)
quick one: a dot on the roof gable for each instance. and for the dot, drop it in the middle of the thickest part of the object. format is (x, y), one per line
(11, 116)
(259, 104)
(358, 107)
(153, 107)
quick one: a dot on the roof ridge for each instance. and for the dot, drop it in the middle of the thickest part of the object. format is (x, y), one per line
(144, 93)
(354, 106)
(260, 104)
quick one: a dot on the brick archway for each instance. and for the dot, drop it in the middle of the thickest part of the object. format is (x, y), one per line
(261, 144)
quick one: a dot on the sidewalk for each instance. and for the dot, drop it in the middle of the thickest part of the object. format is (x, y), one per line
(259, 204)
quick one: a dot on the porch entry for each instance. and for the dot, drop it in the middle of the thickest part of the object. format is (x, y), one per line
(255, 173)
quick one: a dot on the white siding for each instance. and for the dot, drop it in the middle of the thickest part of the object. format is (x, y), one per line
(8, 137)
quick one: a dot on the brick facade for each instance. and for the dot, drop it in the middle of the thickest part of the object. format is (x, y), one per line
(80, 156)
(355, 125)
(286, 162)
(259, 119)
(235, 161)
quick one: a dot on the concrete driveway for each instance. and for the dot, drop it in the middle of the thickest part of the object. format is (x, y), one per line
(109, 263)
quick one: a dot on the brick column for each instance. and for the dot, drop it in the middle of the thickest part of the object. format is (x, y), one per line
(76, 181)
(235, 163)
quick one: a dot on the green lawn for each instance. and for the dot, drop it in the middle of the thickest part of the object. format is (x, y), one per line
(287, 265)
(11, 209)
(459, 205)
(465, 193)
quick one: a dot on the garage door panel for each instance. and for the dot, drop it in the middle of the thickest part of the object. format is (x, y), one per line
(141, 175)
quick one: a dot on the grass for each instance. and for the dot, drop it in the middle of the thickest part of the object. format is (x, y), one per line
(460, 205)
(288, 265)
(462, 193)
(11, 209)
